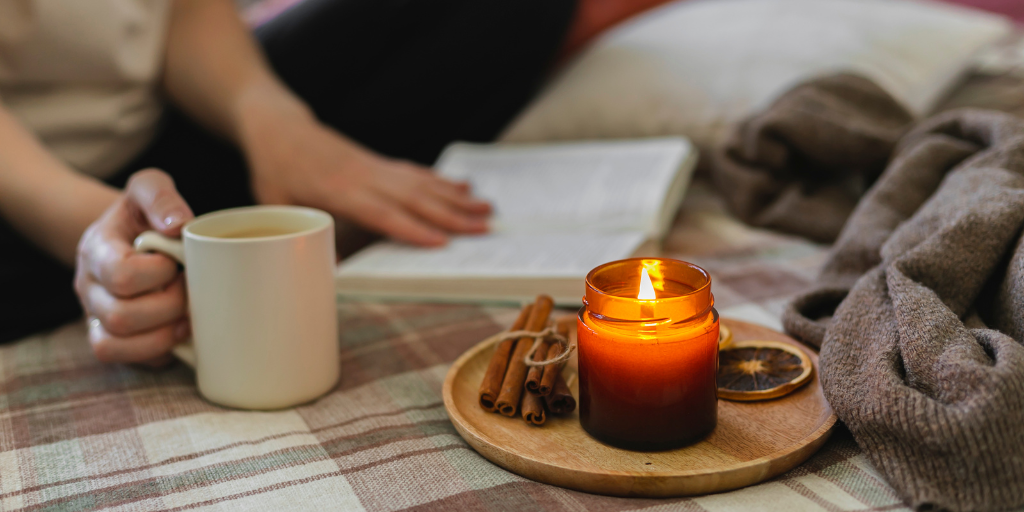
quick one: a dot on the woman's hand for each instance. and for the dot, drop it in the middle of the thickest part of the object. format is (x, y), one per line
(135, 301)
(300, 161)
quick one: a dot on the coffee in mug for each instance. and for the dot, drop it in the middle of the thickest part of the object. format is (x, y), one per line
(257, 232)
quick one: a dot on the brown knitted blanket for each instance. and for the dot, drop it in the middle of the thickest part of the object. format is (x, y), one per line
(919, 312)
(801, 165)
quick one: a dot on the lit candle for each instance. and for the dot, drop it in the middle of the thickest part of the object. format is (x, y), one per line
(648, 354)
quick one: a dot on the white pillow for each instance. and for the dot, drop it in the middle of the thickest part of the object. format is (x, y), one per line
(695, 67)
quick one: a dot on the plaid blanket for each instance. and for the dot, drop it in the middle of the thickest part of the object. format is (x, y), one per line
(76, 434)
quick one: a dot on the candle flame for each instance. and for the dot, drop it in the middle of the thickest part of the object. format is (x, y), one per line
(646, 288)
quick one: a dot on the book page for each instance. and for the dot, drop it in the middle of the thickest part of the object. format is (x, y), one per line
(594, 186)
(499, 255)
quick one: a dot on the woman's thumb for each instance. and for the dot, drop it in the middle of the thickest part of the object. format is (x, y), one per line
(153, 192)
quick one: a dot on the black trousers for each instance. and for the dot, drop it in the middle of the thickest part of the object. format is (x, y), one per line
(402, 77)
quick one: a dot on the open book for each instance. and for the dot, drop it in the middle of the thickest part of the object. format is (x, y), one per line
(559, 211)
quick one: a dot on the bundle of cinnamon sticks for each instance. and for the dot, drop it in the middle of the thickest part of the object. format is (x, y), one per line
(510, 386)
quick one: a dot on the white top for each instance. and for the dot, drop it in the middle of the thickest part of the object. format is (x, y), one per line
(82, 75)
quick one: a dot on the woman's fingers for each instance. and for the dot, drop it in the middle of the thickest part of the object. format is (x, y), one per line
(129, 317)
(460, 197)
(125, 273)
(152, 192)
(137, 301)
(381, 214)
(150, 346)
(414, 180)
(150, 202)
(443, 204)
(440, 212)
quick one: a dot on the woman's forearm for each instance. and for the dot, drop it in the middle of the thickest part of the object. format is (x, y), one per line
(216, 72)
(44, 199)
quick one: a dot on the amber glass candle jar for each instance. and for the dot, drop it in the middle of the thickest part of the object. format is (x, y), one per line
(647, 366)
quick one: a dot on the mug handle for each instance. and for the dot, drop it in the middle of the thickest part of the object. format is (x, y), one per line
(151, 241)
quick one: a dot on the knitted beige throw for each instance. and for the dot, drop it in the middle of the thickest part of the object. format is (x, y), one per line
(919, 312)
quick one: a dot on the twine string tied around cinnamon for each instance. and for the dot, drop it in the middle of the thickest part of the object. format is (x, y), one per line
(549, 334)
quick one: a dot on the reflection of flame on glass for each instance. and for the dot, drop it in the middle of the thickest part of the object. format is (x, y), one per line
(646, 288)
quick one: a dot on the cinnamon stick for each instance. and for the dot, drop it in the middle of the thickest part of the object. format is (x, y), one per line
(515, 375)
(490, 387)
(533, 377)
(551, 371)
(533, 409)
(560, 400)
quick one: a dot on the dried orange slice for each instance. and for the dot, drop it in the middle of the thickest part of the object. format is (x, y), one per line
(724, 336)
(760, 370)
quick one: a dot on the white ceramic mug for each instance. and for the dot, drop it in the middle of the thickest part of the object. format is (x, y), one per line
(262, 304)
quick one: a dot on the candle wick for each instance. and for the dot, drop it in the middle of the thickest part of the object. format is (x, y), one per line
(647, 311)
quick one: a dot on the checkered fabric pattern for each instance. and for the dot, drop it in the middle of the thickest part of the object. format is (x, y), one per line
(76, 434)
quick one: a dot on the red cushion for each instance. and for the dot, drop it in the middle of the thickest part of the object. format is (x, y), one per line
(1011, 8)
(595, 16)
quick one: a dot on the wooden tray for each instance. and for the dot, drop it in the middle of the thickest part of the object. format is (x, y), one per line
(753, 441)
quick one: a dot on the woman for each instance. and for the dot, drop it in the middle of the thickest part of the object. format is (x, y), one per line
(339, 110)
